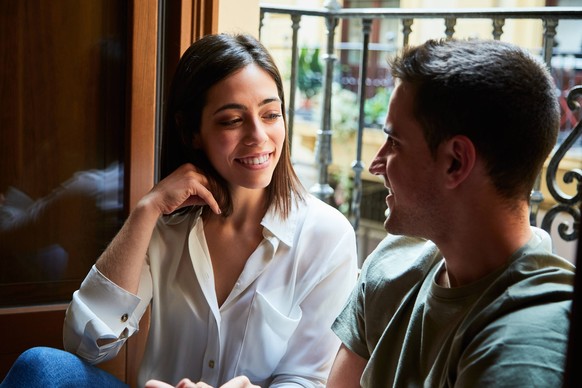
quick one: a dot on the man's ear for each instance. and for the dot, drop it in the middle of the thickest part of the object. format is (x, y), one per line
(460, 156)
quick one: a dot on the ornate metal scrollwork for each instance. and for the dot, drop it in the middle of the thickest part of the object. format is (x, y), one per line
(565, 203)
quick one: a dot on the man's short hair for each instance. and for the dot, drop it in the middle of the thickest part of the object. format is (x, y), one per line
(495, 93)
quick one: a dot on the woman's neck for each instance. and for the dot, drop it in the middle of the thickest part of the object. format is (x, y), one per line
(248, 208)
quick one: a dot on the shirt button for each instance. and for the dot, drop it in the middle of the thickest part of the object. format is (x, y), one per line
(211, 364)
(124, 318)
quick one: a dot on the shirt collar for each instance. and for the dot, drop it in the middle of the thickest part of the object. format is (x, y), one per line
(282, 229)
(274, 226)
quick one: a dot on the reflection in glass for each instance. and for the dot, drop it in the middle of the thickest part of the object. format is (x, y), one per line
(63, 71)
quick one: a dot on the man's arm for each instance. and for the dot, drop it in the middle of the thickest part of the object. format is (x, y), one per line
(347, 369)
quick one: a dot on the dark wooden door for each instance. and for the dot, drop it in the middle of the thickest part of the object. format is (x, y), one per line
(77, 130)
(78, 112)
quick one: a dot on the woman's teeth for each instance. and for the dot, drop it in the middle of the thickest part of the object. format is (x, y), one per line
(258, 160)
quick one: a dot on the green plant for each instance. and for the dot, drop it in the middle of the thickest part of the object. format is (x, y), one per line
(309, 72)
(375, 108)
(343, 184)
(344, 111)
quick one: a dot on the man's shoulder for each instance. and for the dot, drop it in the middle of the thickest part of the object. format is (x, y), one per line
(537, 276)
(400, 256)
(393, 271)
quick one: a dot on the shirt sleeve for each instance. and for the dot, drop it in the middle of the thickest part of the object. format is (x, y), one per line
(102, 311)
(313, 346)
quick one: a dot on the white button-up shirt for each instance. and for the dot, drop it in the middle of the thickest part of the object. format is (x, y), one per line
(274, 327)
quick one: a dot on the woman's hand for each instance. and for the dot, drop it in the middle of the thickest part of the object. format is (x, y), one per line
(237, 382)
(186, 186)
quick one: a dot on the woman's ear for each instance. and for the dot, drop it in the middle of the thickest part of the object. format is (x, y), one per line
(196, 142)
(179, 119)
(181, 122)
(460, 156)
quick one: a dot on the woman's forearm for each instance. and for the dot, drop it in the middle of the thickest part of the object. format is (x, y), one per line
(123, 259)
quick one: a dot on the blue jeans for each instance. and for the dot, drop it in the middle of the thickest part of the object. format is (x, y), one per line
(48, 367)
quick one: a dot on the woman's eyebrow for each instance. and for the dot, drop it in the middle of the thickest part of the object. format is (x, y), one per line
(242, 107)
(231, 106)
(270, 100)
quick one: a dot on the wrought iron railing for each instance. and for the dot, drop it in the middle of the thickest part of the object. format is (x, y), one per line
(332, 13)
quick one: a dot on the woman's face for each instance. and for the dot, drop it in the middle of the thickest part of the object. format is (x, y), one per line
(242, 130)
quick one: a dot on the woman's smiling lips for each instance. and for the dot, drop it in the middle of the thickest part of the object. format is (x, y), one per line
(255, 161)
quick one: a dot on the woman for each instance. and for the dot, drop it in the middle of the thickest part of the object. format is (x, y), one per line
(244, 270)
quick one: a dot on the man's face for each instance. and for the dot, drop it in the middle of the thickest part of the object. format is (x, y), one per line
(408, 168)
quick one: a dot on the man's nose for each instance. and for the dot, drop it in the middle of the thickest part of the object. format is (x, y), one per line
(378, 165)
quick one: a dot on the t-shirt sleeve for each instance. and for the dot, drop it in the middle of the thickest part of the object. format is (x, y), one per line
(396, 265)
(349, 326)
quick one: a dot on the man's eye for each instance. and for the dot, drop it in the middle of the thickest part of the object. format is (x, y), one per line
(391, 142)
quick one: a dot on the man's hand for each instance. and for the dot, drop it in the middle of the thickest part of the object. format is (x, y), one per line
(237, 382)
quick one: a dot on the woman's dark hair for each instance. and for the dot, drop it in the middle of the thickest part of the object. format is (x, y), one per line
(205, 63)
(496, 94)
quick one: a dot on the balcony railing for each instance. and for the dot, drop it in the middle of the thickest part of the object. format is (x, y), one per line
(567, 205)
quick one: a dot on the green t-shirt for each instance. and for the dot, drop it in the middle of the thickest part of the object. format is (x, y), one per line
(507, 329)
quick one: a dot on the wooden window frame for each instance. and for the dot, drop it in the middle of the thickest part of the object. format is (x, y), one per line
(196, 19)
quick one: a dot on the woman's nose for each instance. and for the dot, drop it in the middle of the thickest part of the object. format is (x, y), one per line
(255, 134)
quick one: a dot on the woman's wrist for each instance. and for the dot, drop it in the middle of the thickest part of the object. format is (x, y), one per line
(147, 207)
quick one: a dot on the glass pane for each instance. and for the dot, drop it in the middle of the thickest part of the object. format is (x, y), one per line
(62, 120)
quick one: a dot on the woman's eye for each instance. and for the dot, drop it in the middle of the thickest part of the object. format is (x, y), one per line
(230, 122)
(272, 116)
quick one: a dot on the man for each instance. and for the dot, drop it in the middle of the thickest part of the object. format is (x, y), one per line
(470, 295)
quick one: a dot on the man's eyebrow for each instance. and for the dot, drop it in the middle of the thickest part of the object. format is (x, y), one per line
(242, 107)
(388, 130)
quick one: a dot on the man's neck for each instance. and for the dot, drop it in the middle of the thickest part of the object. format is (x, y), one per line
(479, 248)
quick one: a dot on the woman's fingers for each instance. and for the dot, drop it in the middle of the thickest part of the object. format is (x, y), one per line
(184, 383)
(186, 186)
(204, 196)
(239, 382)
(187, 383)
(157, 384)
